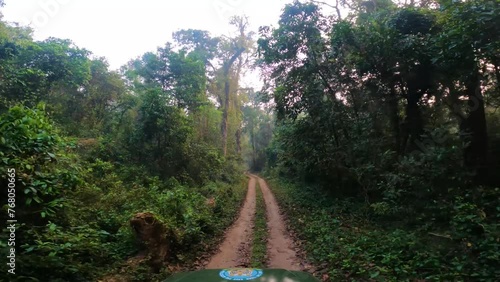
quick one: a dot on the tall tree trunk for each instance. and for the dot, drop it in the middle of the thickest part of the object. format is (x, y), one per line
(238, 140)
(476, 152)
(254, 152)
(394, 118)
(337, 106)
(413, 125)
(496, 65)
(225, 113)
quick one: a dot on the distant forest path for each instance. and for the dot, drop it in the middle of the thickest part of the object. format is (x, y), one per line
(236, 247)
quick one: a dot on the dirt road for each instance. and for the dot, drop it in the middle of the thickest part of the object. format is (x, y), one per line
(234, 251)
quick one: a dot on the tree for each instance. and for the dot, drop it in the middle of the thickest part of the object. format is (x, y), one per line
(160, 134)
(258, 125)
(33, 70)
(472, 42)
(231, 52)
(378, 73)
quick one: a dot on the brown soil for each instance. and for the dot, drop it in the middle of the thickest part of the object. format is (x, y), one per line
(234, 251)
(280, 246)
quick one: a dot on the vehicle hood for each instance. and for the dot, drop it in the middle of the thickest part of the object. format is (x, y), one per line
(242, 274)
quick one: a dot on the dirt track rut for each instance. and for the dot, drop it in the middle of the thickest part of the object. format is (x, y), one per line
(234, 250)
(280, 246)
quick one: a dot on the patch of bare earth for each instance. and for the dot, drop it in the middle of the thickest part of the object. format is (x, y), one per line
(234, 250)
(280, 246)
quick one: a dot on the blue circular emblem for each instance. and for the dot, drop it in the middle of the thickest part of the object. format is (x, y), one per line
(241, 274)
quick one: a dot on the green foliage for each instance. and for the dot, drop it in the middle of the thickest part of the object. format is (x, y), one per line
(161, 132)
(73, 253)
(196, 217)
(259, 128)
(432, 174)
(31, 144)
(204, 163)
(259, 246)
(47, 175)
(75, 211)
(477, 233)
(337, 235)
(179, 75)
(32, 70)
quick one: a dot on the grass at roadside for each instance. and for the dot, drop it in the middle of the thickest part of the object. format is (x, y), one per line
(228, 202)
(203, 222)
(259, 246)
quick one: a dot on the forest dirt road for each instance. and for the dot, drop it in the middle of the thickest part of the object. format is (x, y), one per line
(235, 249)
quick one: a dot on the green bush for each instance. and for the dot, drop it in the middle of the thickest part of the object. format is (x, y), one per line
(45, 169)
(54, 245)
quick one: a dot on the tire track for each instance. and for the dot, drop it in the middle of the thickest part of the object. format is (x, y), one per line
(234, 251)
(280, 247)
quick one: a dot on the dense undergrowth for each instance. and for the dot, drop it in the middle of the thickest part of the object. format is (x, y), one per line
(349, 243)
(75, 208)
